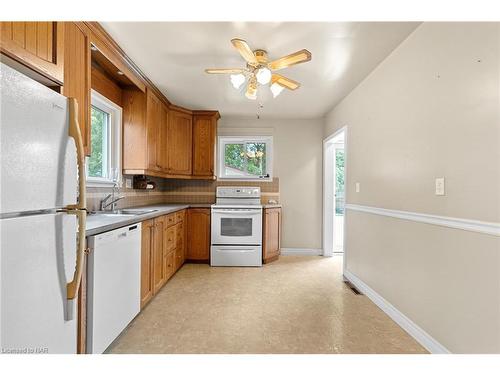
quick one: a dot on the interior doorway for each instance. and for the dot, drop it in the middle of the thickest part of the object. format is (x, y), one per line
(334, 178)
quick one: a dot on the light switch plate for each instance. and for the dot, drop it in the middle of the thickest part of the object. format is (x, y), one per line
(128, 183)
(440, 190)
(357, 187)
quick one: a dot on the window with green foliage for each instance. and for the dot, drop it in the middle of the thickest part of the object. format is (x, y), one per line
(100, 147)
(103, 165)
(245, 158)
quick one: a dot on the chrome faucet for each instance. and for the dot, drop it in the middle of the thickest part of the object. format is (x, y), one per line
(104, 202)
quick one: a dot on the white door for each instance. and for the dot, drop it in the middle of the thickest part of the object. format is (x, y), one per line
(37, 260)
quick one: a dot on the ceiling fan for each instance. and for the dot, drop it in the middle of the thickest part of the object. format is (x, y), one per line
(260, 71)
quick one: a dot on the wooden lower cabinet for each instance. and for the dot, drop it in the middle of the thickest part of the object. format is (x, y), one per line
(159, 276)
(147, 240)
(163, 241)
(198, 234)
(271, 246)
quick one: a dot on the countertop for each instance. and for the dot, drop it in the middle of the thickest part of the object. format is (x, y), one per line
(100, 223)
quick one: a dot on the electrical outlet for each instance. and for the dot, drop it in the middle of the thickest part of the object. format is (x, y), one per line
(128, 183)
(440, 190)
(358, 187)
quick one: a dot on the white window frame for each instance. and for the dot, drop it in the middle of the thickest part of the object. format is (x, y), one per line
(115, 153)
(223, 140)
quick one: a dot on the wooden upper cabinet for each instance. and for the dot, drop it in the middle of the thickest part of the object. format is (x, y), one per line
(179, 142)
(38, 45)
(198, 234)
(204, 138)
(135, 146)
(77, 74)
(162, 146)
(153, 122)
(272, 234)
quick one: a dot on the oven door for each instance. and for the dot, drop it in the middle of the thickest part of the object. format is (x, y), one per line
(236, 226)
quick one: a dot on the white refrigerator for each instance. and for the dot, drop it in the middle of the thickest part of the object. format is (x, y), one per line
(42, 216)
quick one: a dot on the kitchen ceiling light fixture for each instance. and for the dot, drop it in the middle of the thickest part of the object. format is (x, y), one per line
(263, 76)
(259, 70)
(237, 80)
(276, 89)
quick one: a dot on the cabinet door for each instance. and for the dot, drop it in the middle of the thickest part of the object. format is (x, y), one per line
(147, 246)
(159, 276)
(179, 143)
(153, 121)
(272, 234)
(198, 244)
(204, 136)
(162, 149)
(38, 45)
(77, 73)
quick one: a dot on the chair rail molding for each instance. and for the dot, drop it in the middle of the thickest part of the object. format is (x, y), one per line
(484, 227)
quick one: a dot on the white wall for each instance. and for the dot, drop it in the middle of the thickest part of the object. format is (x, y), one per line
(431, 109)
(298, 164)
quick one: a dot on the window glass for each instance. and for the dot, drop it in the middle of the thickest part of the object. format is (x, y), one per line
(245, 158)
(100, 144)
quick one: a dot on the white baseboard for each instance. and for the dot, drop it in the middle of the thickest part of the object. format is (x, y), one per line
(426, 340)
(300, 251)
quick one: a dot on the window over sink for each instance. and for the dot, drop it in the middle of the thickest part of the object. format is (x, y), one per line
(103, 167)
(245, 158)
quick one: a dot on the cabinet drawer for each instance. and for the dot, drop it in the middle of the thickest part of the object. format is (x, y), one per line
(170, 239)
(170, 265)
(179, 216)
(179, 258)
(170, 219)
(180, 231)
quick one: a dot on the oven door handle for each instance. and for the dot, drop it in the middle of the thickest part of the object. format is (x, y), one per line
(237, 212)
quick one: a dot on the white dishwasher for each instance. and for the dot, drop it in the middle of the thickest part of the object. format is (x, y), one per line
(113, 284)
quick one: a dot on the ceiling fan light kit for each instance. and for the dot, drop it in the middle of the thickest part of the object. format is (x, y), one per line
(259, 70)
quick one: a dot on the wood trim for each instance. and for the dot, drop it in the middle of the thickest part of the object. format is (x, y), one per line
(177, 108)
(100, 36)
(207, 113)
(152, 173)
(105, 85)
(271, 259)
(109, 48)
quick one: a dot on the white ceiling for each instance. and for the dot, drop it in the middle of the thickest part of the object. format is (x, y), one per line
(174, 55)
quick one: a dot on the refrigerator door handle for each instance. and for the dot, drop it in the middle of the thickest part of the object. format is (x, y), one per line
(76, 134)
(79, 209)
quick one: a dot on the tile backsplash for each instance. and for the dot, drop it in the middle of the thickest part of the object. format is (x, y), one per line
(178, 191)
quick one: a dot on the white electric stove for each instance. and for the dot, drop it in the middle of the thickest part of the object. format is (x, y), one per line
(237, 227)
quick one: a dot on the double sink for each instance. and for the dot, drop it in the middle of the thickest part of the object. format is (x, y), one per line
(121, 213)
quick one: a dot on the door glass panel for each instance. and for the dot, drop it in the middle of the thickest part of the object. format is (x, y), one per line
(236, 227)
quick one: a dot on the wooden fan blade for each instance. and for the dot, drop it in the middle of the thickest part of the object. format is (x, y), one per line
(245, 51)
(288, 83)
(224, 71)
(289, 60)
